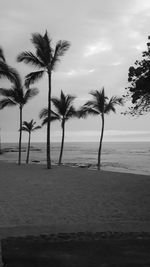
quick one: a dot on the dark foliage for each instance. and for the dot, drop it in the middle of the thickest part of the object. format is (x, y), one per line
(139, 89)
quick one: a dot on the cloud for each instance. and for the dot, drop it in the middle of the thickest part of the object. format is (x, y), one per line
(140, 47)
(116, 63)
(97, 48)
(79, 72)
(142, 6)
(106, 34)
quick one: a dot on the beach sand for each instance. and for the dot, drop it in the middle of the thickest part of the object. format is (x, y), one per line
(34, 200)
(42, 206)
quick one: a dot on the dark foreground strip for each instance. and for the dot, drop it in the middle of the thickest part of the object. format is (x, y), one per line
(84, 249)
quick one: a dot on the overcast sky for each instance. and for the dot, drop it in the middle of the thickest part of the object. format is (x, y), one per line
(106, 36)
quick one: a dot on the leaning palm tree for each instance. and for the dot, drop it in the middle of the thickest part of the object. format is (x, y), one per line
(16, 95)
(100, 105)
(64, 111)
(45, 59)
(29, 127)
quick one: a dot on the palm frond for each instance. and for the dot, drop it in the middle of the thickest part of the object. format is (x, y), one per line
(62, 104)
(53, 118)
(99, 100)
(47, 39)
(2, 58)
(90, 103)
(27, 124)
(48, 50)
(10, 73)
(110, 105)
(43, 113)
(71, 113)
(69, 100)
(16, 77)
(33, 77)
(60, 49)
(84, 111)
(29, 57)
(30, 126)
(37, 40)
(6, 102)
(56, 103)
(117, 100)
(30, 93)
(36, 128)
(14, 94)
(6, 92)
(43, 48)
(23, 128)
(4, 71)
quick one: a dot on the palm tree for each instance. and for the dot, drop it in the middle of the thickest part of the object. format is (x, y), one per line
(29, 127)
(100, 105)
(45, 59)
(16, 95)
(64, 111)
(2, 59)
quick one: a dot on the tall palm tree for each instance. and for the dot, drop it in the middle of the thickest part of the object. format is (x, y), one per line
(16, 95)
(2, 59)
(100, 105)
(45, 59)
(29, 127)
(64, 111)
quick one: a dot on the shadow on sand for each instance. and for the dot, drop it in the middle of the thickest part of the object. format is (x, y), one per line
(78, 250)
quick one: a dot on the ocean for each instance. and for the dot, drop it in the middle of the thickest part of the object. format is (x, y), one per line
(133, 157)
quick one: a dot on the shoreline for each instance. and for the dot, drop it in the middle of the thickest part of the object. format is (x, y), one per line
(126, 158)
(89, 166)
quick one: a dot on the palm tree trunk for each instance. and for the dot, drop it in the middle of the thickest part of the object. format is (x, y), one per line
(100, 143)
(49, 122)
(20, 136)
(28, 151)
(0, 143)
(62, 142)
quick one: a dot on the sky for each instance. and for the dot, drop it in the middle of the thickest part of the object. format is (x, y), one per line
(106, 36)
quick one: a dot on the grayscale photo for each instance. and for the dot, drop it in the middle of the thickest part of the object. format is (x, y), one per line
(75, 133)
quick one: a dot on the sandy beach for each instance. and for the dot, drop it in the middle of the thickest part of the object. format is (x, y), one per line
(35, 200)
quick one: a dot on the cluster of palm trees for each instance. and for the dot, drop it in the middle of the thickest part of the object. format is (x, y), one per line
(45, 59)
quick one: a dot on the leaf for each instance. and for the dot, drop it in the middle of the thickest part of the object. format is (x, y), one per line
(2, 55)
(6, 103)
(60, 49)
(84, 111)
(29, 57)
(33, 77)
(43, 48)
(30, 93)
